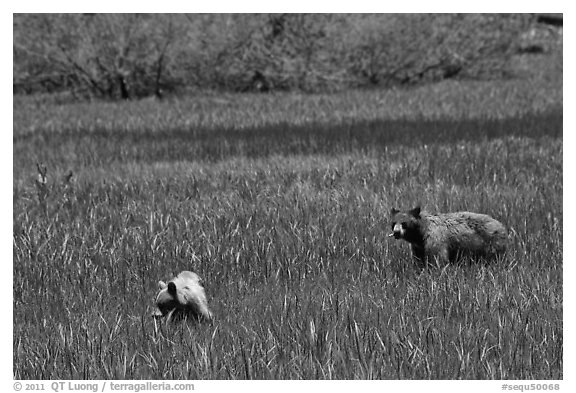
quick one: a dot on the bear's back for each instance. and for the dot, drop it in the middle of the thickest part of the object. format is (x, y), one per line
(190, 290)
(467, 230)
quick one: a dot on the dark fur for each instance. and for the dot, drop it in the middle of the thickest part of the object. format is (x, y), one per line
(443, 238)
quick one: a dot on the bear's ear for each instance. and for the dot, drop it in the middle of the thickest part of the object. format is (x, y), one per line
(415, 212)
(394, 211)
(172, 288)
(161, 285)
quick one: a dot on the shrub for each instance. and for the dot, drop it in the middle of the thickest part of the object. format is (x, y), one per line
(136, 55)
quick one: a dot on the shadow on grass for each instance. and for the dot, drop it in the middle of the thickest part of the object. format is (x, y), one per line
(178, 144)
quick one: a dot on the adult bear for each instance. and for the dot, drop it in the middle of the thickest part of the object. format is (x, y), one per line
(441, 238)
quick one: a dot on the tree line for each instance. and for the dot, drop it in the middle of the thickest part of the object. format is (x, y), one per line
(125, 56)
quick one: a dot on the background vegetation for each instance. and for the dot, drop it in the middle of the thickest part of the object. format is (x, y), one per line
(136, 55)
(280, 202)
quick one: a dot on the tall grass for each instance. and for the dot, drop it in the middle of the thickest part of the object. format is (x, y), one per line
(286, 222)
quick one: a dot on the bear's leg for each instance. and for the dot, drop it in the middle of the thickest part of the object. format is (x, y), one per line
(438, 257)
(443, 257)
(419, 256)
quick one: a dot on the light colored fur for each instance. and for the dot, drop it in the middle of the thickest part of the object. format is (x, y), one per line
(183, 296)
(463, 232)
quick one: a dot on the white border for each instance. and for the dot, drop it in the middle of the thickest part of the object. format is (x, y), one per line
(306, 6)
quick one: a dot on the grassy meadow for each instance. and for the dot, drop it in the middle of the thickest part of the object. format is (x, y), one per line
(281, 202)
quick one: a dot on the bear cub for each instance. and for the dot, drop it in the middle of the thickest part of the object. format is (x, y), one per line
(441, 238)
(182, 297)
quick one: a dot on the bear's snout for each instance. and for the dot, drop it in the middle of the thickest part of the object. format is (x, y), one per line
(397, 231)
